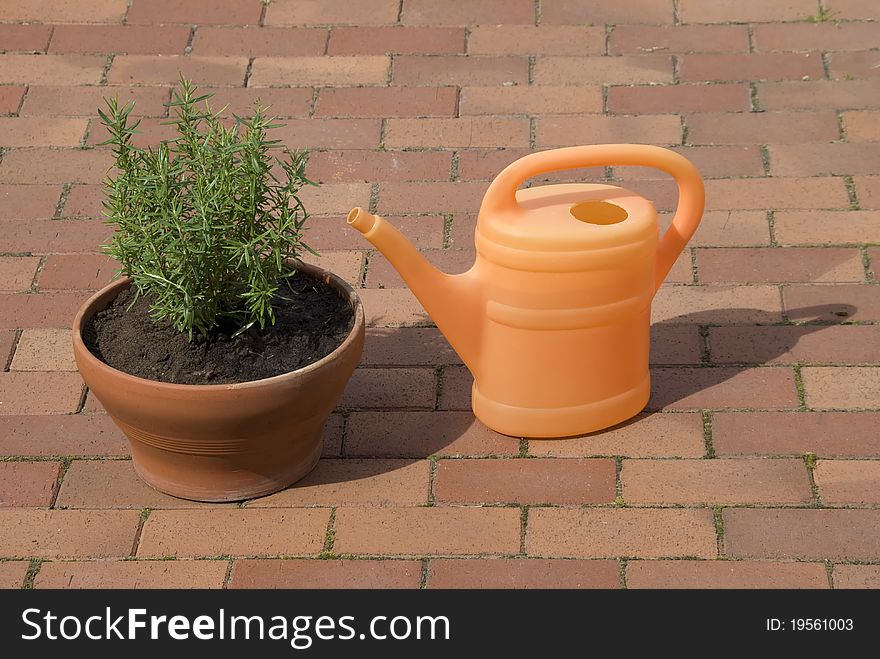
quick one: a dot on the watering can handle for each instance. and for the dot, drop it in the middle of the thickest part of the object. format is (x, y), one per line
(501, 195)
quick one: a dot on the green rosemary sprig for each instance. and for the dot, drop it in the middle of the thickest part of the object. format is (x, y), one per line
(205, 222)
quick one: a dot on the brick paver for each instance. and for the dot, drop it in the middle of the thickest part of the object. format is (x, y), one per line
(848, 482)
(725, 574)
(305, 573)
(218, 532)
(609, 532)
(427, 531)
(804, 534)
(522, 573)
(93, 484)
(764, 347)
(357, 482)
(857, 576)
(132, 574)
(13, 573)
(690, 482)
(43, 350)
(32, 533)
(28, 484)
(560, 482)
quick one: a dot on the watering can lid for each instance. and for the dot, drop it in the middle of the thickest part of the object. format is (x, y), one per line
(569, 217)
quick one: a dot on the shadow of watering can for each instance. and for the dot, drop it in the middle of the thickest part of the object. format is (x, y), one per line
(553, 318)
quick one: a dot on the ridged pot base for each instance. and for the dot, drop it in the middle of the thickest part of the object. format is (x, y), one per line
(225, 442)
(175, 476)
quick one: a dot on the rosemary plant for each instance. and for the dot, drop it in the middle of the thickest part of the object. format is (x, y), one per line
(207, 221)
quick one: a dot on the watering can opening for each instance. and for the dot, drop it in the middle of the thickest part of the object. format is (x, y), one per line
(598, 212)
(361, 219)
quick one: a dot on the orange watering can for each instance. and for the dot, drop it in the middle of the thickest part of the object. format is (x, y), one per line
(553, 319)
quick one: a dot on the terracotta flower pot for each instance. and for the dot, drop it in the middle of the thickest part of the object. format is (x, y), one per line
(223, 442)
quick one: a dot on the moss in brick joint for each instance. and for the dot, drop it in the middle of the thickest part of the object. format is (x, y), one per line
(330, 538)
(439, 373)
(28, 458)
(423, 574)
(823, 16)
(718, 519)
(63, 465)
(66, 461)
(705, 349)
(432, 472)
(850, 184)
(810, 462)
(870, 274)
(618, 483)
(799, 386)
(448, 220)
(364, 271)
(707, 434)
(32, 570)
(167, 558)
(453, 170)
(829, 573)
(374, 198)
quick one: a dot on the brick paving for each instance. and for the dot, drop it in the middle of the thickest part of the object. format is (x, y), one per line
(758, 462)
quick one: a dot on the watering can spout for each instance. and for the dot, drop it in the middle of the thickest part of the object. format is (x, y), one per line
(452, 301)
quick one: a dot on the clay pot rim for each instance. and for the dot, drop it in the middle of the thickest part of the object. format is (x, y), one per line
(87, 309)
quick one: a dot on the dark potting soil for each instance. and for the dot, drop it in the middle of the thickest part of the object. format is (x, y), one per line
(310, 323)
